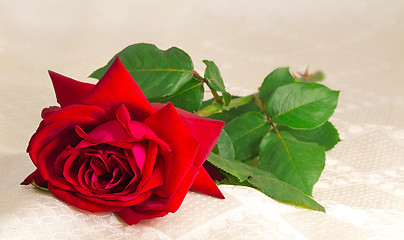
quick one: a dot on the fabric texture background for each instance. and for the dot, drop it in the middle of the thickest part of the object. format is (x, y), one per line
(357, 44)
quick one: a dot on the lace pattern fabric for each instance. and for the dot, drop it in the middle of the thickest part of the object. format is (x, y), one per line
(357, 44)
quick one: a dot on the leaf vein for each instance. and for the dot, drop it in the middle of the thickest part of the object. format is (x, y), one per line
(250, 131)
(306, 104)
(293, 163)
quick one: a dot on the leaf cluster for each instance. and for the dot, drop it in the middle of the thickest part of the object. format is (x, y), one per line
(274, 140)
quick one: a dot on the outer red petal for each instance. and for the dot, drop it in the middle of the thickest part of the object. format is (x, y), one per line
(206, 131)
(169, 127)
(117, 87)
(37, 178)
(49, 111)
(157, 203)
(61, 120)
(72, 199)
(69, 91)
(203, 183)
(46, 157)
(131, 216)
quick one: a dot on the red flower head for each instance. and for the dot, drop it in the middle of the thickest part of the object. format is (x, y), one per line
(107, 149)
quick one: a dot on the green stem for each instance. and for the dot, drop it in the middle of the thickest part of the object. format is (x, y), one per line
(217, 108)
(264, 110)
(218, 99)
(234, 103)
(216, 96)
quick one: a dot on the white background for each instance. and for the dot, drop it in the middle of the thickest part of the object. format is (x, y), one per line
(358, 44)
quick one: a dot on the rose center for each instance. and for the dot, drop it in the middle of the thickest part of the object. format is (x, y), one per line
(107, 168)
(100, 169)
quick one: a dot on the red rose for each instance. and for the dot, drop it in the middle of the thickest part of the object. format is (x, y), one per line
(107, 149)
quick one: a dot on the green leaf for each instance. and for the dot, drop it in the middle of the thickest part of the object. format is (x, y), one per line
(231, 180)
(238, 169)
(275, 79)
(246, 132)
(302, 105)
(215, 80)
(282, 191)
(225, 145)
(189, 97)
(326, 135)
(158, 73)
(252, 162)
(229, 115)
(297, 163)
(226, 98)
(263, 181)
(212, 74)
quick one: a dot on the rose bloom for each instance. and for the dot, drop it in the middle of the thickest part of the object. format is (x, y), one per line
(107, 149)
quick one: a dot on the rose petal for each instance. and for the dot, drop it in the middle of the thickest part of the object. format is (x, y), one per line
(133, 127)
(131, 216)
(113, 133)
(125, 163)
(48, 111)
(150, 161)
(158, 203)
(123, 116)
(111, 199)
(168, 126)
(107, 132)
(46, 158)
(37, 178)
(118, 181)
(133, 167)
(117, 87)
(69, 91)
(154, 181)
(73, 199)
(64, 119)
(206, 131)
(203, 183)
(139, 152)
(72, 166)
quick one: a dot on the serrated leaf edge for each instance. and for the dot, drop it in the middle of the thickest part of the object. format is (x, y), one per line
(290, 110)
